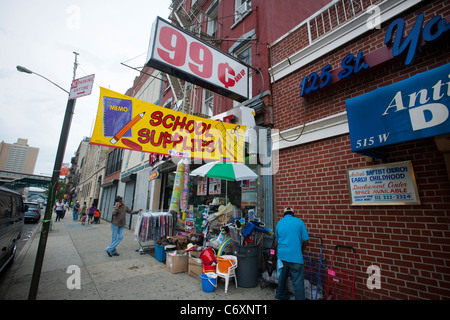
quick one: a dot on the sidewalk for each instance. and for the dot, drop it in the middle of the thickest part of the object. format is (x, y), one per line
(130, 276)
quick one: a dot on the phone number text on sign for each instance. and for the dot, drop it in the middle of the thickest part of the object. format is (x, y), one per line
(385, 184)
(178, 53)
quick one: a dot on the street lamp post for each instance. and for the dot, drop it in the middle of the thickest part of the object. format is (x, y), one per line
(25, 70)
(52, 190)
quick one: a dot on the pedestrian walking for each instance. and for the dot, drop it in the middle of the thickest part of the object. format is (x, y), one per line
(65, 208)
(119, 213)
(59, 209)
(97, 216)
(83, 213)
(76, 210)
(292, 238)
(91, 214)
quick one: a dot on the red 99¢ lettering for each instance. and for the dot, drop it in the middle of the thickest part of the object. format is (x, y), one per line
(176, 51)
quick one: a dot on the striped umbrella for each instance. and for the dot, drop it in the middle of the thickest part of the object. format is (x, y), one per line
(225, 170)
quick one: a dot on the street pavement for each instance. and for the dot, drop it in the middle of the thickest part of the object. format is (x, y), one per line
(73, 248)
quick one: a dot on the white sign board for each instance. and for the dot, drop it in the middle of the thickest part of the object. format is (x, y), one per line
(385, 184)
(81, 87)
(178, 53)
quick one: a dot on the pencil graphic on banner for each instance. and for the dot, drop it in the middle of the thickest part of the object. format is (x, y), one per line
(126, 128)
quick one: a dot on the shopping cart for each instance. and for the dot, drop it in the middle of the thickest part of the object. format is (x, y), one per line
(315, 267)
(341, 281)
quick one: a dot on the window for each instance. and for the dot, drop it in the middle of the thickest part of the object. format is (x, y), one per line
(212, 22)
(244, 53)
(242, 9)
(114, 161)
(208, 103)
(168, 103)
(5, 206)
(17, 206)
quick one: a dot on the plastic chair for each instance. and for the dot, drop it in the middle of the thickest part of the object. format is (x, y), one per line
(231, 271)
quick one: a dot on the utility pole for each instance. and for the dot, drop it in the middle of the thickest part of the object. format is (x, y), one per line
(52, 193)
(75, 65)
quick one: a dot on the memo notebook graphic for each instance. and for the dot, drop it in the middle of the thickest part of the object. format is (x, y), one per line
(117, 113)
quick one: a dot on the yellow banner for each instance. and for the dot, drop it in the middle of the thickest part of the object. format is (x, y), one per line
(128, 123)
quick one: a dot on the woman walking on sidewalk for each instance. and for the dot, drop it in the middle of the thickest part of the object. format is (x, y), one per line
(83, 213)
(118, 223)
(91, 214)
(59, 207)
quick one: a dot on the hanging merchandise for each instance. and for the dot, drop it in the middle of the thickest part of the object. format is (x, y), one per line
(215, 186)
(248, 194)
(177, 188)
(226, 171)
(202, 186)
(185, 189)
(153, 225)
(200, 220)
(224, 213)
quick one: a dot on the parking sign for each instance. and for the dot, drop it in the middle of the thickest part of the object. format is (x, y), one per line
(81, 87)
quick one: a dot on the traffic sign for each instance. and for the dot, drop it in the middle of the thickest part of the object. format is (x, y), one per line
(81, 87)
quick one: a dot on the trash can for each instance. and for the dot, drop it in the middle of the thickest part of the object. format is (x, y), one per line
(247, 268)
(161, 250)
(160, 253)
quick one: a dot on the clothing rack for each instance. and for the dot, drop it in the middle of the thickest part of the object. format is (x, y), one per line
(152, 226)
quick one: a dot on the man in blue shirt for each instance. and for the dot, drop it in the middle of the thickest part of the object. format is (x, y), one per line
(292, 238)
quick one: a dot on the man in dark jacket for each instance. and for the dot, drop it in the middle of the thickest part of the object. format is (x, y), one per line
(119, 212)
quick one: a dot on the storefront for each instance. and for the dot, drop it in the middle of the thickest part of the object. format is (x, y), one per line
(245, 195)
(207, 212)
(363, 114)
(204, 190)
(109, 192)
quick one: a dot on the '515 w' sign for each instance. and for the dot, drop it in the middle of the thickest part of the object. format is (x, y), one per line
(176, 52)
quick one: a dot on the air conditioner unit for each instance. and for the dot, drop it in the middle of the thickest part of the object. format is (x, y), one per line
(246, 6)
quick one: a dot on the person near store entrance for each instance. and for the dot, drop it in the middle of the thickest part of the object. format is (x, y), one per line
(292, 238)
(119, 213)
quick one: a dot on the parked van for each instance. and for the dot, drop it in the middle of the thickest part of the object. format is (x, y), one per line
(11, 221)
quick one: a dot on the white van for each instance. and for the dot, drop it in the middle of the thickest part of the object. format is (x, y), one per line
(11, 222)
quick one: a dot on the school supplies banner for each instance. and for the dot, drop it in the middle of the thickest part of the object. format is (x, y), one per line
(128, 123)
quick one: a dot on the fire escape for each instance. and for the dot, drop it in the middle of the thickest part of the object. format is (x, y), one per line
(191, 21)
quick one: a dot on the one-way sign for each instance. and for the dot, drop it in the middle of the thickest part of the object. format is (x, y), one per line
(81, 87)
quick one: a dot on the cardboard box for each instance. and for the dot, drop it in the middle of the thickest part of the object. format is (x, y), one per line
(195, 265)
(177, 263)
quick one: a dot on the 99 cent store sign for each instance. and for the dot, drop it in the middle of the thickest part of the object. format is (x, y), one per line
(176, 52)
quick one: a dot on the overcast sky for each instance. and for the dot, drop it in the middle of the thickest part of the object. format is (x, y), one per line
(42, 36)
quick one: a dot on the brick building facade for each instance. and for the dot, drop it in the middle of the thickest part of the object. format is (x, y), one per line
(409, 243)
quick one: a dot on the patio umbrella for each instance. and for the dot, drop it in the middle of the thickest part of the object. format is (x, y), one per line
(227, 171)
